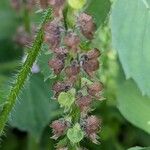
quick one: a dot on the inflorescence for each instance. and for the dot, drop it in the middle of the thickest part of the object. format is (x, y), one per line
(77, 86)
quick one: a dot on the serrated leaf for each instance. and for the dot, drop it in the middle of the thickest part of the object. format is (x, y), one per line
(75, 134)
(133, 106)
(66, 99)
(99, 9)
(130, 24)
(35, 108)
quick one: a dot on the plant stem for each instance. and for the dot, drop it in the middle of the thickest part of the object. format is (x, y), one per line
(26, 17)
(32, 143)
(23, 74)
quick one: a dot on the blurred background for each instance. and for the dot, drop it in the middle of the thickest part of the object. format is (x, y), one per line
(28, 125)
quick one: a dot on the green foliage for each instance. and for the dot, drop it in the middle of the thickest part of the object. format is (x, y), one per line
(23, 74)
(8, 22)
(99, 9)
(139, 148)
(130, 21)
(43, 63)
(75, 134)
(66, 99)
(35, 109)
(133, 105)
(77, 4)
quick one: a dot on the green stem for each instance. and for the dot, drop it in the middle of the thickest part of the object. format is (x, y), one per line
(32, 143)
(27, 20)
(26, 17)
(23, 74)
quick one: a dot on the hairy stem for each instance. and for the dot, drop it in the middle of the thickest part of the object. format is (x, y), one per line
(23, 74)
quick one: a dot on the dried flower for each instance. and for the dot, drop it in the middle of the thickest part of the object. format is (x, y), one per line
(61, 52)
(57, 65)
(57, 7)
(84, 102)
(90, 66)
(72, 70)
(72, 41)
(52, 34)
(92, 127)
(87, 25)
(93, 54)
(59, 87)
(95, 89)
(24, 38)
(43, 3)
(59, 127)
(30, 4)
(16, 4)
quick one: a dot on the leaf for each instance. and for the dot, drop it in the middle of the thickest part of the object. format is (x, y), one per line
(43, 63)
(77, 4)
(8, 20)
(75, 134)
(66, 99)
(130, 24)
(139, 148)
(99, 9)
(133, 106)
(35, 108)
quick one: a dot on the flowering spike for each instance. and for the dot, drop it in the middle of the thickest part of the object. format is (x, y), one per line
(71, 64)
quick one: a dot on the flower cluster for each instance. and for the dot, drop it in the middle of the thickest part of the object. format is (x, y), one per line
(77, 86)
(17, 4)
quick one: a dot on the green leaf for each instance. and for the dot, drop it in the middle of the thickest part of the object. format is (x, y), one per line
(75, 134)
(8, 20)
(43, 60)
(99, 9)
(133, 106)
(35, 108)
(139, 148)
(77, 4)
(66, 99)
(130, 24)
